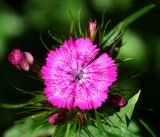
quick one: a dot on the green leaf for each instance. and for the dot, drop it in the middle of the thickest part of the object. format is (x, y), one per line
(119, 119)
(60, 130)
(79, 24)
(43, 43)
(55, 38)
(128, 109)
(114, 125)
(36, 99)
(24, 131)
(15, 106)
(66, 129)
(33, 126)
(73, 25)
(39, 98)
(118, 30)
(99, 124)
(25, 91)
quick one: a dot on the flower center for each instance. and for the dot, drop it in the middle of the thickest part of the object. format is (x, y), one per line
(76, 74)
(79, 76)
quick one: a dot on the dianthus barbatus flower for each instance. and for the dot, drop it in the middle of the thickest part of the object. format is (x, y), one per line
(74, 79)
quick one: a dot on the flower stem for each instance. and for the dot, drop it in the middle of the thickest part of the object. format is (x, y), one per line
(67, 130)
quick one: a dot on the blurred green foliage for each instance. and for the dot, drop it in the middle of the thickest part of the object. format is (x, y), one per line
(11, 25)
(134, 48)
(52, 13)
(112, 5)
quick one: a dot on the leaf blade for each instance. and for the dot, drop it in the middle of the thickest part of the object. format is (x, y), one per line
(118, 30)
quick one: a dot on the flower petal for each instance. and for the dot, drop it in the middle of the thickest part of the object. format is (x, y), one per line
(86, 51)
(61, 94)
(98, 76)
(88, 97)
(59, 84)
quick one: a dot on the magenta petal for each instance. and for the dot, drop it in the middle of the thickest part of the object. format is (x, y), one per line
(61, 95)
(98, 76)
(86, 51)
(88, 97)
(102, 71)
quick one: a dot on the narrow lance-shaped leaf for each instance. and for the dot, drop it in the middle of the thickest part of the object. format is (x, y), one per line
(15, 106)
(60, 130)
(68, 129)
(79, 24)
(118, 30)
(43, 43)
(55, 38)
(99, 124)
(33, 126)
(38, 98)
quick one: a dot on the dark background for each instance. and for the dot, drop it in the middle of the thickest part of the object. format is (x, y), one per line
(22, 22)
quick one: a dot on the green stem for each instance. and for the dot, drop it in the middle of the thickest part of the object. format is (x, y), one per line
(67, 130)
(147, 127)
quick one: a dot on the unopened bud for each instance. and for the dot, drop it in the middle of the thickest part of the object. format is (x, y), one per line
(116, 101)
(121, 102)
(92, 29)
(81, 118)
(22, 60)
(29, 58)
(57, 118)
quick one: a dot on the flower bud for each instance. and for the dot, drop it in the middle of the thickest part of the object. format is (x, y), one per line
(16, 57)
(121, 102)
(92, 29)
(116, 101)
(22, 60)
(29, 58)
(57, 118)
(81, 118)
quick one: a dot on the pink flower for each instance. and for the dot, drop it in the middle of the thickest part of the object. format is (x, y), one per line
(22, 60)
(57, 118)
(92, 28)
(75, 78)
